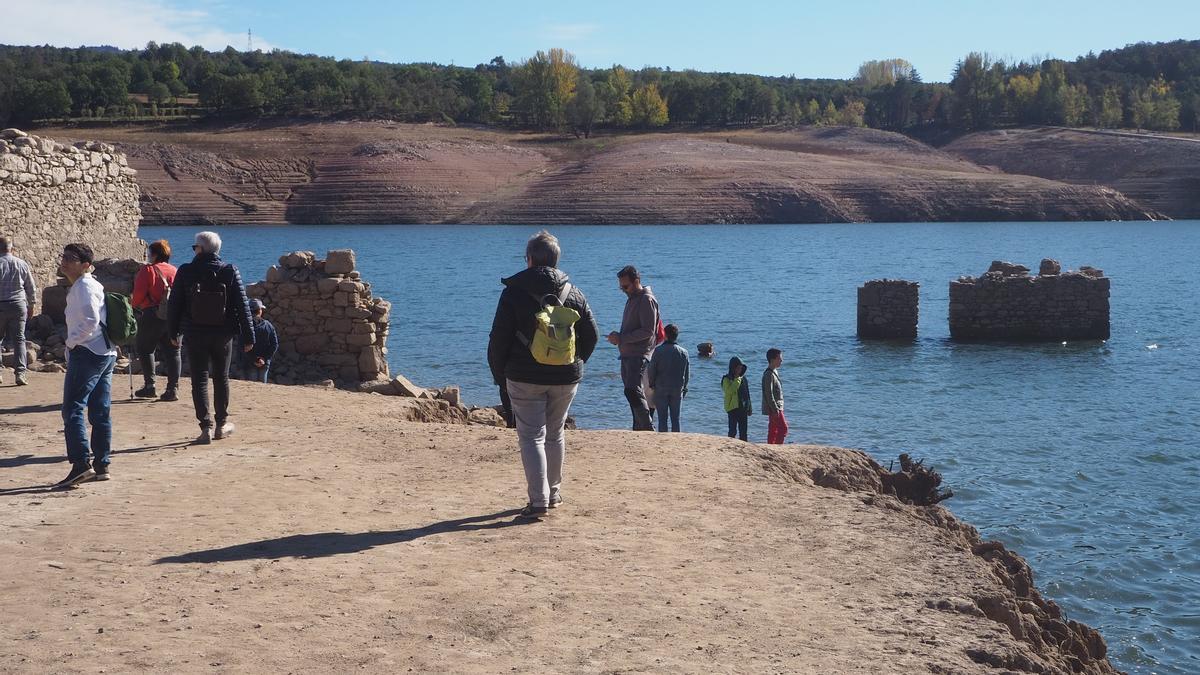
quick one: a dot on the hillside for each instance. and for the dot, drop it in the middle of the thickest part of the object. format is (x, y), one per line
(1160, 172)
(379, 172)
(313, 542)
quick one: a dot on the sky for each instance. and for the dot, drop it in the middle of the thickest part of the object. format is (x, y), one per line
(806, 39)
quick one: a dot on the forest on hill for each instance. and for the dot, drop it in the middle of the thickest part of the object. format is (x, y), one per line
(1145, 86)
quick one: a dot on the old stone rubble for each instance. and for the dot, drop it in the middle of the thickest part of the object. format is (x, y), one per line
(52, 194)
(1008, 304)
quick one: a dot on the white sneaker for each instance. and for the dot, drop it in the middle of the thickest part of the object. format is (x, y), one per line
(224, 431)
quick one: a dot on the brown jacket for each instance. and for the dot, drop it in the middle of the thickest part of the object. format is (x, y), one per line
(639, 325)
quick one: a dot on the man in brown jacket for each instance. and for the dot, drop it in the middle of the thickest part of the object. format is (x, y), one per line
(636, 341)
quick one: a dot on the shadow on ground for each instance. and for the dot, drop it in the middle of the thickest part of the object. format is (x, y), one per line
(324, 544)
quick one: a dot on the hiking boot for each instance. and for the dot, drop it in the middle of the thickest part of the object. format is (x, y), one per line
(556, 500)
(223, 431)
(101, 472)
(531, 512)
(204, 438)
(22, 379)
(169, 395)
(80, 473)
(147, 391)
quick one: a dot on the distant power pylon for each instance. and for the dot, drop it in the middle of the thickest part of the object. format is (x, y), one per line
(249, 41)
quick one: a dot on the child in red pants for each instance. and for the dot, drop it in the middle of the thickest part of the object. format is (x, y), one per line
(772, 391)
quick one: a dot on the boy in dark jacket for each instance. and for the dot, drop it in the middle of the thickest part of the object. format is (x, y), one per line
(256, 363)
(737, 398)
(540, 394)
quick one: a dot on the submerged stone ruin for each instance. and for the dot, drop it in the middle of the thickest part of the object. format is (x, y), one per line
(888, 309)
(1005, 303)
(329, 325)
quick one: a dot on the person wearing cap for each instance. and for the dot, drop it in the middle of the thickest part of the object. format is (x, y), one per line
(208, 308)
(151, 288)
(256, 363)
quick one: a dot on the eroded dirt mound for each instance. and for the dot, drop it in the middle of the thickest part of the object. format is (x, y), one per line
(1160, 172)
(380, 172)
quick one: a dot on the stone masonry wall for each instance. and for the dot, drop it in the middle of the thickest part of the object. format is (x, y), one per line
(53, 194)
(888, 309)
(1008, 304)
(330, 328)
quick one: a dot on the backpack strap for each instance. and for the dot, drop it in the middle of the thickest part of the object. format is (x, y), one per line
(561, 297)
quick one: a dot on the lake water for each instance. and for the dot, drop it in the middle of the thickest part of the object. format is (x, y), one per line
(1084, 458)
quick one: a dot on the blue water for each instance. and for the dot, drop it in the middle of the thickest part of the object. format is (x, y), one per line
(1085, 457)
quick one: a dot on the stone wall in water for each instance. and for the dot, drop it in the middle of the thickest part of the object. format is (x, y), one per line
(53, 194)
(888, 309)
(1006, 303)
(330, 328)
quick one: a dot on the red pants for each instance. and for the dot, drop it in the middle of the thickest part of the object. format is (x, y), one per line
(777, 428)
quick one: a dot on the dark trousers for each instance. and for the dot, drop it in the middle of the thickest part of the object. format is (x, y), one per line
(738, 423)
(151, 337)
(208, 355)
(632, 369)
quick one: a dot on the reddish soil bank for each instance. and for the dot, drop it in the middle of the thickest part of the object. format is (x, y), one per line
(379, 172)
(332, 532)
(1160, 172)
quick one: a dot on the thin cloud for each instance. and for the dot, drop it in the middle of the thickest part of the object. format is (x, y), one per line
(128, 24)
(568, 32)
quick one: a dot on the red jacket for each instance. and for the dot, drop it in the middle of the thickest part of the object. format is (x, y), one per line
(149, 286)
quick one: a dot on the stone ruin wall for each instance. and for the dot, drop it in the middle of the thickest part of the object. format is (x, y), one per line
(330, 328)
(1008, 304)
(888, 309)
(53, 194)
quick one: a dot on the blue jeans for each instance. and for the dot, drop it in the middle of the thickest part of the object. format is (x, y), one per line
(12, 328)
(667, 402)
(88, 385)
(738, 422)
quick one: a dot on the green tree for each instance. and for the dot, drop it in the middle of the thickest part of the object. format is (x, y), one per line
(158, 93)
(978, 86)
(585, 109)
(649, 108)
(874, 74)
(1111, 113)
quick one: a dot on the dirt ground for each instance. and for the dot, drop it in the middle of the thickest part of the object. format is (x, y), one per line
(330, 534)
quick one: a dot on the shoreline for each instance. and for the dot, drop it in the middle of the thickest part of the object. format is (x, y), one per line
(333, 532)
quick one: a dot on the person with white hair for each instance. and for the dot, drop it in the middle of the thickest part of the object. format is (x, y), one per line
(208, 307)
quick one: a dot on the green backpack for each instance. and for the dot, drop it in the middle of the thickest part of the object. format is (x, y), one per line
(553, 342)
(121, 326)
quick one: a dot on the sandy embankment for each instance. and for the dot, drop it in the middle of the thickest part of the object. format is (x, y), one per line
(331, 533)
(382, 172)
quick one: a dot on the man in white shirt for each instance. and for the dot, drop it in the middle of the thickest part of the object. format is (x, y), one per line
(90, 362)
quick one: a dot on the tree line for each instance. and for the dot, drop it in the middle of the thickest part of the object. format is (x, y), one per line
(1153, 86)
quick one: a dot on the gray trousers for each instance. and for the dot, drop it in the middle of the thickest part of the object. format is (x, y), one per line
(540, 411)
(12, 330)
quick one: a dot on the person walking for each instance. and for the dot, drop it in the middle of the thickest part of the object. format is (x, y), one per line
(90, 362)
(635, 341)
(151, 290)
(737, 398)
(18, 296)
(669, 371)
(772, 398)
(208, 308)
(256, 364)
(542, 335)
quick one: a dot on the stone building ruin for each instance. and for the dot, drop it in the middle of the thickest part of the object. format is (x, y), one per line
(53, 194)
(1005, 303)
(888, 309)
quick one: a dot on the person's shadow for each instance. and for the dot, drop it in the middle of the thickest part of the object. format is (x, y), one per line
(323, 544)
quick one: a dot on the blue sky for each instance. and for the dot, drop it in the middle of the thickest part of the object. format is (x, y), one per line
(822, 39)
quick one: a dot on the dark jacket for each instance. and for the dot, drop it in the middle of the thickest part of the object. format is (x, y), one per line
(508, 356)
(237, 309)
(266, 343)
(735, 388)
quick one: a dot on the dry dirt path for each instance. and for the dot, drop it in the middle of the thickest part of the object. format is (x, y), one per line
(330, 535)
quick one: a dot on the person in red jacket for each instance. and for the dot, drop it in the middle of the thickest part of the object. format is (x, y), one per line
(150, 288)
